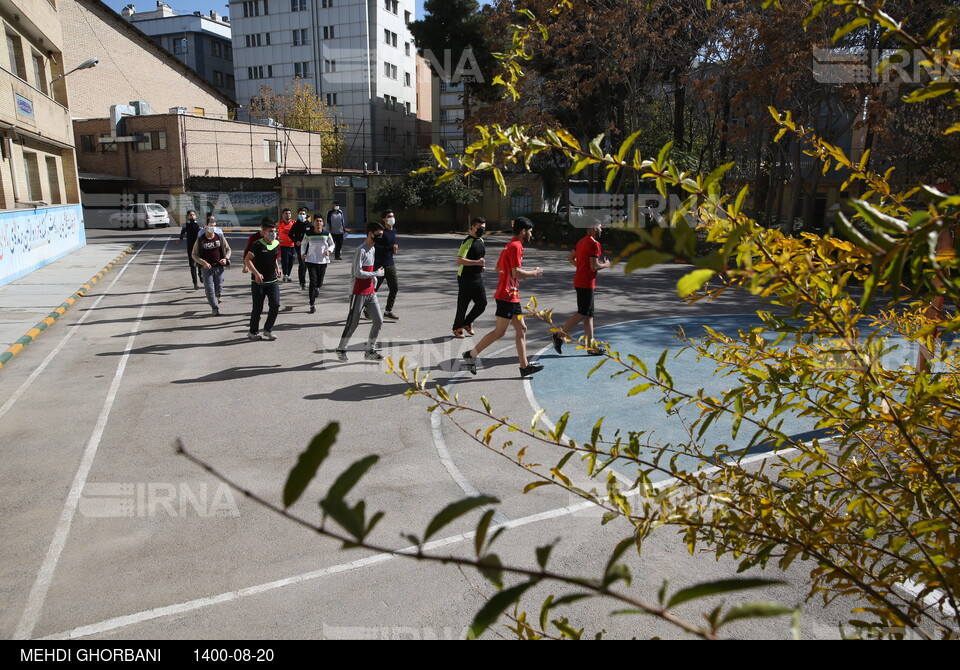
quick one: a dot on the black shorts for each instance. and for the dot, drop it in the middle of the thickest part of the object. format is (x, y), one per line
(585, 301)
(508, 310)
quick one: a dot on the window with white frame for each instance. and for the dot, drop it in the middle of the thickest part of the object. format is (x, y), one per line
(331, 99)
(301, 37)
(154, 140)
(329, 65)
(329, 32)
(301, 70)
(272, 151)
(298, 5)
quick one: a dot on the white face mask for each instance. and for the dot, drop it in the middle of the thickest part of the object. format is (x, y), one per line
(211, 229)
(392, 221)
(336, 208)
(270, 237)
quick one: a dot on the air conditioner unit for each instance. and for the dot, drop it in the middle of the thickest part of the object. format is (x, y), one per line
(178, 110)
(142, 107)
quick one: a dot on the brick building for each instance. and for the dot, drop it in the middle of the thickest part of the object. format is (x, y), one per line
(180, 160)
(132, 66)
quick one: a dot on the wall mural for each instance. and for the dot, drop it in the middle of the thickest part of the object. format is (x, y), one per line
(30, 239)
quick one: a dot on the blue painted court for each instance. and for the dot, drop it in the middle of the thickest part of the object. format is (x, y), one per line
(563, 385)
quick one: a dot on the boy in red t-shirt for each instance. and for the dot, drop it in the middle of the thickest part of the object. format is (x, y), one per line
(586, 257)
(288, 250)
(508, 299)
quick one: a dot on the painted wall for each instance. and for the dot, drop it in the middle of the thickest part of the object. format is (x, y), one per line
(30, 239)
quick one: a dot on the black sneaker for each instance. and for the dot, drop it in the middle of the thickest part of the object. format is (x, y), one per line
(557, 343)
(470, 362)
(342, 355)
(530, 370)
(373, 355)
(313, 310)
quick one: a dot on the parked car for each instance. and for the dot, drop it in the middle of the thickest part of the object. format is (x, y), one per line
(145, 214)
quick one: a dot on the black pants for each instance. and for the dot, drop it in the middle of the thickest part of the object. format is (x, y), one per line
(470, 290)
(338, 245)
(317, 272)
(194, 270)
(301, 269)
(390, 274)
(270, 292)
(287, 256)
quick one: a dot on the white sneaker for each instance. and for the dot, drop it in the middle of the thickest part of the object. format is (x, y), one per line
(267, 335)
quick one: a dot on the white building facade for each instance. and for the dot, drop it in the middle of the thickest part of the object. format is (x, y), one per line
(357, 54)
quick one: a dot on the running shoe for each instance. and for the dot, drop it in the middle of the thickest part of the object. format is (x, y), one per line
(270, 337)
(391, 315)
(341, 355)
(458, 333)
(373, 355)
(557, 342)
(254, 336)
(530, 370)
(470, 362)
(469, 329)
(313, 310)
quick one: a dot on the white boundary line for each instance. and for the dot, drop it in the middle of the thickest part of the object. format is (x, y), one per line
(38, 593)
(73, 329)
(201, 603)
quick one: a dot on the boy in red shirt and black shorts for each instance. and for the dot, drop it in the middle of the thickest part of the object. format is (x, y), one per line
(508, 299)
(586, 256)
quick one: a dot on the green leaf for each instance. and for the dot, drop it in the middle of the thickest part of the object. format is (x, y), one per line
(850, 27)
(625, 147)
(454, 511)
(501, 183)
(646, 259)
(693, 282)
(757, 610)
(494, 608)
(707, 589)
(561, 426)
(309, 462)
(482, 529)
(664, 152)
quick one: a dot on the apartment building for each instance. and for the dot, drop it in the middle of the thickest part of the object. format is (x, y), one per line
(40, 215)
(357, 54)
(200, 41)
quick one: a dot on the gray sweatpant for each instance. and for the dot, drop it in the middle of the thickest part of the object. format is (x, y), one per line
(359, 303)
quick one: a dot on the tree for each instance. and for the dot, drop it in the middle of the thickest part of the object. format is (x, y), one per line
(417, 191)
(300, 107)
(874, 514)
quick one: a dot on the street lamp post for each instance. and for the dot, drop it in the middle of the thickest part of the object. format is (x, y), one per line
(85, 65)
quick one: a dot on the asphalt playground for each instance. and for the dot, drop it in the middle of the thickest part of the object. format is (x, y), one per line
(110, 534)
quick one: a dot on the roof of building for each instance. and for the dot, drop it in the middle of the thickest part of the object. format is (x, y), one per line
(149, 44)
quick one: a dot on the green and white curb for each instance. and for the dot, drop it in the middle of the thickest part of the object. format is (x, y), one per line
(51, 318)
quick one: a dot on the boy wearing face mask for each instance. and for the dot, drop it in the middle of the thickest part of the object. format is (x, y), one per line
(297, 232)
(337, 224)
(364, 295)
(386, 248)
(212, 253)
(191, 230)
(263, 262)
(316, 248)
(470, 258)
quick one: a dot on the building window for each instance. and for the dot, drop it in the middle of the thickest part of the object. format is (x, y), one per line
(406, 48)
(53, 180)
(229, 49)
(329, 66)
(40, 73)
(301, 70)
(392, 6)
(407, 108)
(271, 151)
(406, 78)
(252, 8)
(298, 5)
(406, 18)
(326, 4)
(389, 71)
(156, 140)
(329, 33)
(180, 45)
(301, 37)
(230, 81)
(88, 144)
(218, 79)
(255, 40)
(216, 49)
(389, 38)
(15, 56)
(331, 99)
(32, 171)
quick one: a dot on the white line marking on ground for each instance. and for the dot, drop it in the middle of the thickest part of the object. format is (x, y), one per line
(201, 603)
(43, 366)
(38, 593)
